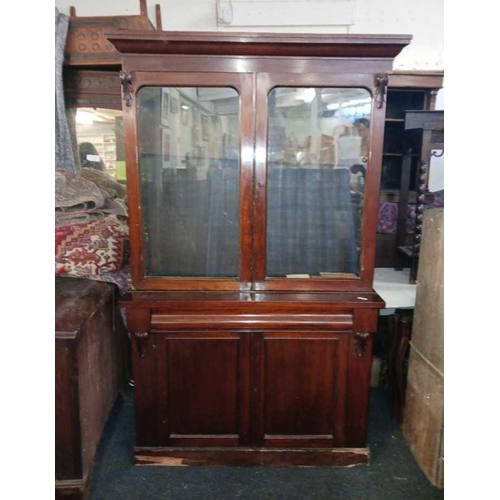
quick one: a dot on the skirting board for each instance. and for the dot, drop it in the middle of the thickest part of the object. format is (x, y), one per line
(271, 457)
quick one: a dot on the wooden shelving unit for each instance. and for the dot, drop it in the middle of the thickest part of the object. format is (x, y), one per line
(414, 91)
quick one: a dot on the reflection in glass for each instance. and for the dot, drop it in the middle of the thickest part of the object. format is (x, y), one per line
(318, 146)
(188, 141)
(99, 134)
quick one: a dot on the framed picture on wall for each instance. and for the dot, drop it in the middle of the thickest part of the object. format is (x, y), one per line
(205, 135)
(195, 135)
(165, 107)
(166, 148)
(225, 140)
(185, 112)
(216, 124)
(174, 105)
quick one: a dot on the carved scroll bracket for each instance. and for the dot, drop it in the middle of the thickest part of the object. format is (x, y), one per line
(142, 343)
(360, 344)
(126, 81)
(436, 154)
(381, 82)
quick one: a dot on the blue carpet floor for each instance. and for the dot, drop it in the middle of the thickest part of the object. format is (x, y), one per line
(392, 474)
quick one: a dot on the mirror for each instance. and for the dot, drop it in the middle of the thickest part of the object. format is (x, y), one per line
(99, 134)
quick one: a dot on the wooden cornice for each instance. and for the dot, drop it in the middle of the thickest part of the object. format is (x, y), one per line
(258, 44)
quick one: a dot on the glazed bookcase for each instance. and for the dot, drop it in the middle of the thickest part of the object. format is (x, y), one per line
(253, 177)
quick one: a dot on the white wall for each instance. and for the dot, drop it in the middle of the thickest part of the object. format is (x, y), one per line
(423, 19)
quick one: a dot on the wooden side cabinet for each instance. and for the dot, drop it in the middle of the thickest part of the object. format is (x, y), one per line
(91, 352)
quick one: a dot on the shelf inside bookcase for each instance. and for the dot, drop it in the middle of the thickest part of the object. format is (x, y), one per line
(398, 102)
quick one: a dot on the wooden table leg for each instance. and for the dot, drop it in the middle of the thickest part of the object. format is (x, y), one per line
(401, 331)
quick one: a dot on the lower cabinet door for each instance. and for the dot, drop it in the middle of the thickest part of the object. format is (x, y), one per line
(204, 389)
(300, 389)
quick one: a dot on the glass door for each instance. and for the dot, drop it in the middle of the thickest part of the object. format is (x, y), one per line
(313, 163)
(193, 174)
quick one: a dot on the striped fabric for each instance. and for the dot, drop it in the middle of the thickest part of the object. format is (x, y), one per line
(310, 222)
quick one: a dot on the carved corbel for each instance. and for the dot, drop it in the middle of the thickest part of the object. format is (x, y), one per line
(360, 344)
(381, 82)
(126, 81)
(142, 339)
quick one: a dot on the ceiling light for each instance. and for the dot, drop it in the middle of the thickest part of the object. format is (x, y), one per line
(84, 118)
(307, 96)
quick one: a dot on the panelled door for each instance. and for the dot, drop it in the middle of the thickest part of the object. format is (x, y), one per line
(274, 388)
(300, 388)
(204, 388)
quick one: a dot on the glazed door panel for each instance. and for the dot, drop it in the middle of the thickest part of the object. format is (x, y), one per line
(317, 167)
(300, 389)
(204, 389)
(189, 169)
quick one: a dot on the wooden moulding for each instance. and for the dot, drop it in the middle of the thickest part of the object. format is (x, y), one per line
(86, 44)
(270, 457)
(96, 89)
(416, 79)
(71, 489)
(253, 321)
(258, 44)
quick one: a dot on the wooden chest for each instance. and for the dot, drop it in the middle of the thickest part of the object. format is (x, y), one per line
(90, 369)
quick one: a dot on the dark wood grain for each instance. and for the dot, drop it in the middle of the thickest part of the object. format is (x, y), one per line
(258, 44)
(410, 84)
(92, 88)
(72, 489)
(230, 303)
(86, 43)
(242, 83)
(251, 321)
(203, 381)
(400, 336)
(432, 80)
(424, 131)
(68, 464)
(176, 457)
(90, 370)
(253, 370)
(299, 388)
(145, 375)
(172, 63)
(358, 378)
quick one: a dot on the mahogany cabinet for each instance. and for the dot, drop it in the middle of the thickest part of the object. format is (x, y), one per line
(253, 176)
